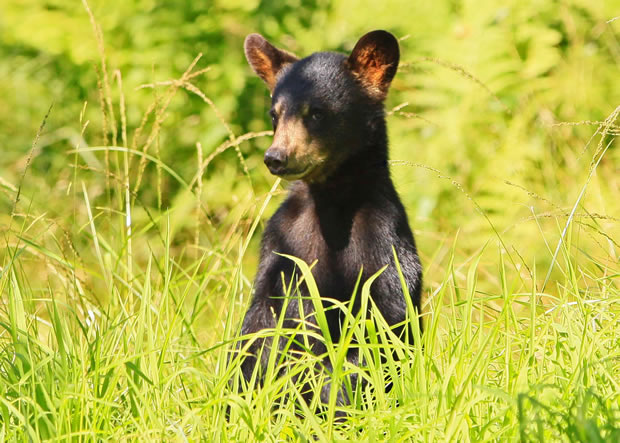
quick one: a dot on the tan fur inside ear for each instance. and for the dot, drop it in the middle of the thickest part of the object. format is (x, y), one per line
(374, 62)
(263, 66)
(265, 59)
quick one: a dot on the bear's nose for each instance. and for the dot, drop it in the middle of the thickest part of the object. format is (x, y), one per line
(276, 160)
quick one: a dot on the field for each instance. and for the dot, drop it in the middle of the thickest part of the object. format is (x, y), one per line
(133, 196)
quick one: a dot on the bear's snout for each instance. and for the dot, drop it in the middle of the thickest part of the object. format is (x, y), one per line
(276, 160)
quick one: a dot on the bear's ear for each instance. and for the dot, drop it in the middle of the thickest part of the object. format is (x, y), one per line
(265, 59)
(374, 61)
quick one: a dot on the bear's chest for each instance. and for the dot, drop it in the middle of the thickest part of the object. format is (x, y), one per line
(339, 244)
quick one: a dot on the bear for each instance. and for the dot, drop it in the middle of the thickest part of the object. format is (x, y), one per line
(342, 211)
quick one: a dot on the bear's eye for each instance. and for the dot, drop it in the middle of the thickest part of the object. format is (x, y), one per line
(274, 118)
(317, 114)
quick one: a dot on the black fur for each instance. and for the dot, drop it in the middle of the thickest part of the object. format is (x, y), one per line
(347, 216)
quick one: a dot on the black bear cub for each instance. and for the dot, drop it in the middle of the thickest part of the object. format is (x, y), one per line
(342, 210)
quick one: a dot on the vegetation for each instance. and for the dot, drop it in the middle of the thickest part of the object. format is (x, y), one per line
(133, 197)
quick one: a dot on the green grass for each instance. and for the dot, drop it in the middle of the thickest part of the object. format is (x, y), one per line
(125, 274)
(497, 365)
(129, 348)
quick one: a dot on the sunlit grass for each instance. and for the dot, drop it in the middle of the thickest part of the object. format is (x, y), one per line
(122, 347)
(495, 365)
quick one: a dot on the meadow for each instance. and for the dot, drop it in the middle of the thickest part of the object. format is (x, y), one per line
(133, 196)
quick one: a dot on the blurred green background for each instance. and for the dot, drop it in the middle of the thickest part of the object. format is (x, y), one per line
(477, 100)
